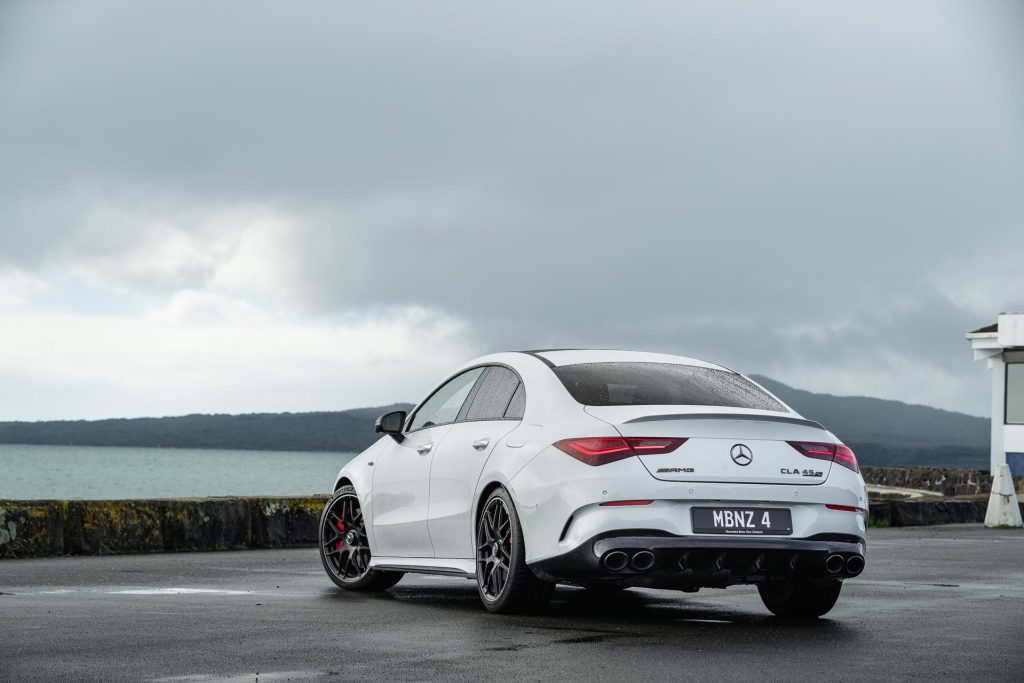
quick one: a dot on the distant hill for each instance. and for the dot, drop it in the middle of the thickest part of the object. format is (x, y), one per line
(345, 431)
(883, 432)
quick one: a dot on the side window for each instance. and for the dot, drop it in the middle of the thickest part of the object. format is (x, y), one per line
(492, 398)
(517, 406)
(444, 405)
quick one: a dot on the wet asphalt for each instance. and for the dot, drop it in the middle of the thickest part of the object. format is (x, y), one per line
(935, 603)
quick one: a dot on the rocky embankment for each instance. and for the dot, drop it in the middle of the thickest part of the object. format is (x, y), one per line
(946, 482)
(108, 527)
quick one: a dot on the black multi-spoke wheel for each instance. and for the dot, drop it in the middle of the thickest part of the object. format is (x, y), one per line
(343, 538)
(494, 548)
(344, 547)
(504, 581)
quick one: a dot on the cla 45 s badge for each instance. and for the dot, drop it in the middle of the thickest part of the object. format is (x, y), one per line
(802, 473)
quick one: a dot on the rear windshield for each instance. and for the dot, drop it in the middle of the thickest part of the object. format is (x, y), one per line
(648, 384)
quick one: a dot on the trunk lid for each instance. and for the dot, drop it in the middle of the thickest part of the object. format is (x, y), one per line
(719, 442)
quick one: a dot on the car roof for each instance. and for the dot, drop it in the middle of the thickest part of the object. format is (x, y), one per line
(558, 357)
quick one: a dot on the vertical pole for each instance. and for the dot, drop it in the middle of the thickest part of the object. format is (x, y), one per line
(998, 454)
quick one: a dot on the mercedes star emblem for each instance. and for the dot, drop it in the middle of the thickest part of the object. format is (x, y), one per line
(741, 454)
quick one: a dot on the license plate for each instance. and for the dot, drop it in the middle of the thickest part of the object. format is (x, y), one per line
(742, 521)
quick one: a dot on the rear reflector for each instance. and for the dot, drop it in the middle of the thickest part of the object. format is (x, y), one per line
(833, 452)
(843, 508)
(601, 450)
(619, 503)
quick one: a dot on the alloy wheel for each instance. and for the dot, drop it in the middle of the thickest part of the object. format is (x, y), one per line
(494, 548)
(343, 536)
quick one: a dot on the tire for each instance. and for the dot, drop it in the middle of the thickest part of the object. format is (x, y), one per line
(344, 546)
(505, 584)
(799, 599)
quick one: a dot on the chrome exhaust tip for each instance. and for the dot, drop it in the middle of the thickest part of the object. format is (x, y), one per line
(855, 564)
(616, 561)
(834, 564)
(642, 561)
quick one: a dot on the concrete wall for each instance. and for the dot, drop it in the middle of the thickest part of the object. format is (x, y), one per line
(92, 527)
(949, 482)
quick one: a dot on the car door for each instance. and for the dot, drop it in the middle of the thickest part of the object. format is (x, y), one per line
(456, 466)
(401, 477)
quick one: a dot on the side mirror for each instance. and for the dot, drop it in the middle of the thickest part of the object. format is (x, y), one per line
(391, 424)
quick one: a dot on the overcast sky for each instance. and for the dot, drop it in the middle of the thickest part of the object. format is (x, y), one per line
(236, 207)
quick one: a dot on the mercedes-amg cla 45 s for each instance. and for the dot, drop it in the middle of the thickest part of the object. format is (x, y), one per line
(600, 469)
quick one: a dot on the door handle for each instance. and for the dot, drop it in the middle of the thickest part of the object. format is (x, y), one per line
(481, 444)
(424, 448)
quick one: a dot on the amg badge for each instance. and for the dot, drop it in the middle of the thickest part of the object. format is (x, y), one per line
(677, 470)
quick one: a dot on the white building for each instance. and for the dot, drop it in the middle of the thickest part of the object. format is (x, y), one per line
(1002, 345)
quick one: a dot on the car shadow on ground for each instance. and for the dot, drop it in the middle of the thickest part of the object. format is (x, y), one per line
(598, 614)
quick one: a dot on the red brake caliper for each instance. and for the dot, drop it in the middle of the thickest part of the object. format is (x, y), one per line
(341, 528)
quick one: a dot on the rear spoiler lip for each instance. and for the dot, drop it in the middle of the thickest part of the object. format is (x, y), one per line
(728, 416)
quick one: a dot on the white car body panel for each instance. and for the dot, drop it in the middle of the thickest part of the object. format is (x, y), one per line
(401, 494)
(454, 474)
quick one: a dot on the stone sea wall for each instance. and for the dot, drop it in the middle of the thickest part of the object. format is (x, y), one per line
(42, 528)
(38, 528)
(927, 512)
(948, 482)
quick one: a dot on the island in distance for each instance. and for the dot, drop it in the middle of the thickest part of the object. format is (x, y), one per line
(881, 432)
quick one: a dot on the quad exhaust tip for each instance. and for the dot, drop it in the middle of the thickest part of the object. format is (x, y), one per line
(642, 561)
(834, 564)
(855, 564)
(616, 560)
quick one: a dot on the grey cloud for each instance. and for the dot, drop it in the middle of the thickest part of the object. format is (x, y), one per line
(701, 178)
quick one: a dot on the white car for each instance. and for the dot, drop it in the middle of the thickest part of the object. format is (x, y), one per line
(600, 469)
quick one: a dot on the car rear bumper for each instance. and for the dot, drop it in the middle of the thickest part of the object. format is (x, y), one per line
(660, 560)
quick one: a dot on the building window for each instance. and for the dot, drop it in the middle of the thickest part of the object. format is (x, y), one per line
(1014, 393)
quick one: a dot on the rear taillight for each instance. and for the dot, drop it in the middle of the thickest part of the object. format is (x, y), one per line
(596, 451)
(846, 458)
(818, 451)
(601, 450)
(833, 452)
(652, 445)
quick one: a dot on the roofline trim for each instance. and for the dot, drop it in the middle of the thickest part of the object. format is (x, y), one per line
(542, 359)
